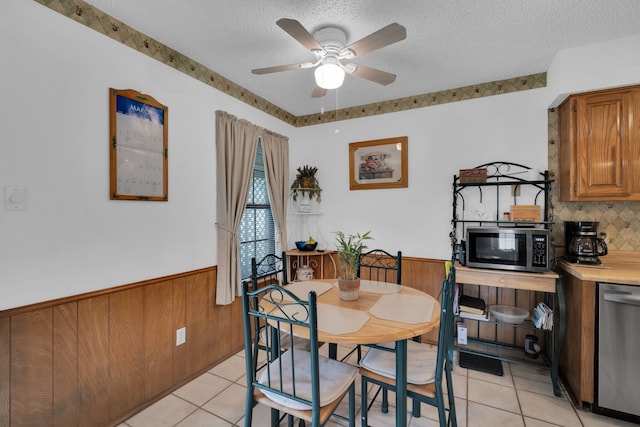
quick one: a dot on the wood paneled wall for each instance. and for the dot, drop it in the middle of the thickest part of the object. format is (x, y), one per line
(426, 275)
(96, 359)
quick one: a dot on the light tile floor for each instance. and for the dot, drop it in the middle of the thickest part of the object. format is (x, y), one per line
(523, 396)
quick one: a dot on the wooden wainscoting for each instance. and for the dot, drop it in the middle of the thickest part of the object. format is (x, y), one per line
(426, 275)
(98, 358)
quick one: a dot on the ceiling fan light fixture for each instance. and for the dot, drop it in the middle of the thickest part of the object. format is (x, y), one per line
(329, 76)
(329, 46)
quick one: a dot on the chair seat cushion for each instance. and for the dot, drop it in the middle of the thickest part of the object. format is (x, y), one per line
(335, 379)
(421, 362)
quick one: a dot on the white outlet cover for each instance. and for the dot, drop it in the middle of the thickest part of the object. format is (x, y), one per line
(181, 336)
(15, 198)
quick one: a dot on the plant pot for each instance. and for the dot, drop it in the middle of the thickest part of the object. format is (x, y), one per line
(348, 289)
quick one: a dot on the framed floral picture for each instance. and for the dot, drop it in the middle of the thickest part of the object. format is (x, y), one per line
(379, 163)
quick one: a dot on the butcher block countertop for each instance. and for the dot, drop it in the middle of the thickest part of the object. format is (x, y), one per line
(617, 267)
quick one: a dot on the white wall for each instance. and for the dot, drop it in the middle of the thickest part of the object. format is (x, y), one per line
(72, 239)
(54, 116)
(598, 66)
(442, 140)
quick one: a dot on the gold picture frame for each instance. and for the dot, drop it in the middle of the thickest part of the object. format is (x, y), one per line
(379, 163)
(138, 147)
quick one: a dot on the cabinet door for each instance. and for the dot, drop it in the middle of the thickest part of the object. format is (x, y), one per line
(602, 145)
(567, 167)
(599, 146)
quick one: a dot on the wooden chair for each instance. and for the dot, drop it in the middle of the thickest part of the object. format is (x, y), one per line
(300, 383)
(425, 366)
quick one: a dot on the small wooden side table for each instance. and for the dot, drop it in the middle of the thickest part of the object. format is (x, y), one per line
(314, 259)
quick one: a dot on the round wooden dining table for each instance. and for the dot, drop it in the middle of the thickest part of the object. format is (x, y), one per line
(383, 313)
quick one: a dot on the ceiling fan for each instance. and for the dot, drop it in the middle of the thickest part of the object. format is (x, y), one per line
(329, 45)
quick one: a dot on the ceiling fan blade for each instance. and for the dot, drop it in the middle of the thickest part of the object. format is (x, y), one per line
(390, 34)
(298, 32)
(373, 74)
(318, 92)
(276, 69)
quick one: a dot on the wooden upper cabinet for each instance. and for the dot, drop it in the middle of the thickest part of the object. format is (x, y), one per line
(599, 146)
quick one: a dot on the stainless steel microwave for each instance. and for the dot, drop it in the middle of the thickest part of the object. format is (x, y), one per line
(517, 249)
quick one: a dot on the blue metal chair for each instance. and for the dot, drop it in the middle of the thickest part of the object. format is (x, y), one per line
(381, 266)
(425, 366)
(300, 383)
(272, 270)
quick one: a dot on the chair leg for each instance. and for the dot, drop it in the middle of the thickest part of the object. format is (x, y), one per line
(275, 418)
(385, 400)
(363, 401)
(452, 403)
(442, 413)
(415, 408)
(333, 351)
(248, 408)
(352, 405)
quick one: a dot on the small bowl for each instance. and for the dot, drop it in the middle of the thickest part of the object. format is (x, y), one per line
(304, 246)
(509, 313)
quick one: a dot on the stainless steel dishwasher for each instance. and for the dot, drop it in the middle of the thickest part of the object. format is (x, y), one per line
(618, 358)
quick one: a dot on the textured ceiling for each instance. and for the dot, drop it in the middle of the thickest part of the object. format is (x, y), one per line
(449, 44)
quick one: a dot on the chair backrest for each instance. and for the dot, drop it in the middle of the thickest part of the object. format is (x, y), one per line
(381, 266)
(280, 311)
(270, 270)
(446, 330)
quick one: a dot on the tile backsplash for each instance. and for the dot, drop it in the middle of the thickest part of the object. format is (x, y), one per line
(619, 220)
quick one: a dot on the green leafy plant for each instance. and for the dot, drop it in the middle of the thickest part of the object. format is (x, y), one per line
(349, 249)
(306, 183)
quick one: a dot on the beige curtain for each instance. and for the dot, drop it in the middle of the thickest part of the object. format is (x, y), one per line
(236, 146)
(275, 150)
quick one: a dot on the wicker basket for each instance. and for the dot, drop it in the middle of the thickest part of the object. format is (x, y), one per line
(471, 176)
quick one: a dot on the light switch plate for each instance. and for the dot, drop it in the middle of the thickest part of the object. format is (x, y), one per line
(15, 198)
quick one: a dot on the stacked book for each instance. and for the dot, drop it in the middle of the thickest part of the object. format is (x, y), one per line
(472, 308)
(543, 316)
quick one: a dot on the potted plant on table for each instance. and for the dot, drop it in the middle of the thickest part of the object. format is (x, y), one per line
(306, 183)
(350, 248)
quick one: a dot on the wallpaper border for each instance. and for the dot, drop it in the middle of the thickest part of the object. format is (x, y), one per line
(107, 25)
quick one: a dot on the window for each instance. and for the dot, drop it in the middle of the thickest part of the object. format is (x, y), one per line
(257, 230)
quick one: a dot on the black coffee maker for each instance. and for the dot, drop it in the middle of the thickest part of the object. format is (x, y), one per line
(582, 244)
